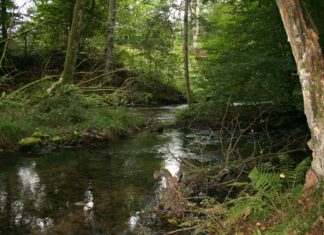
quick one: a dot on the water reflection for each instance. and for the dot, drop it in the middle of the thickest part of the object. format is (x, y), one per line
(30, 188)
(172, 152)
(89, 206)
(30, 194)
(3, 197)
(133, 221)
(17, 211)
(87, 191)
(42, 225)
(29, 179)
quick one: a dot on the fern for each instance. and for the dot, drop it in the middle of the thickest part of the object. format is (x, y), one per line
(286, 164)
(300, 170)
(294, 174)
(264, 181)
(244, 206)
(266, 189)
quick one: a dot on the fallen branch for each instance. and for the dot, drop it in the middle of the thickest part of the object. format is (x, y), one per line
(29, 85)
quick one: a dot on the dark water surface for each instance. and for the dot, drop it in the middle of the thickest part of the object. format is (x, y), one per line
(97, 191)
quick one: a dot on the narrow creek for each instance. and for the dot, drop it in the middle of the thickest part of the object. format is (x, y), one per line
(91, 191)
(102, 190)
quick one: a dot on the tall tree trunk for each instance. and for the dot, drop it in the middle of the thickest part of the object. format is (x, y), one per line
(303, 37)
(186, 52)
(4, 24)
(195, 29)
(73, 46)
(73, 42)
(110, 35)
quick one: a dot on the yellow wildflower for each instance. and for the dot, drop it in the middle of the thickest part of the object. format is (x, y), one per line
(282, 175)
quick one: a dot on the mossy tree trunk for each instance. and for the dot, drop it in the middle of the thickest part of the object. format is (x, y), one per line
(110, 35)
(304, 41)
(73, 42)
(186, 51)
(72, 47)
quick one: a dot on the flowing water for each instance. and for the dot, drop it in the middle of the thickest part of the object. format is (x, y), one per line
(98, 191)
(92, 191)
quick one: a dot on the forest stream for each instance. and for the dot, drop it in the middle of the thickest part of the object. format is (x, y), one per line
(93, 191)
(91, 145)
(102, 190)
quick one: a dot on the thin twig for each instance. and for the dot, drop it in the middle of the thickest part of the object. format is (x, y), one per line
(182, 230)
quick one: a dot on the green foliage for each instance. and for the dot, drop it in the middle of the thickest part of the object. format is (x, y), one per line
(270, 188)
(249, 58)
(14, 123)
(61, 113)
(146, 41)
(114, 122)
(271, 197)
(144, 38)
(11, 131)
(204, 113)
(65, 107)
(299, 220)
(293, 175)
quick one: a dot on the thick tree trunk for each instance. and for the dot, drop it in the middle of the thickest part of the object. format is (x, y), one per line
(186, 52)
(303, 37)
(195, 29)
(110, 35)
(73, 43)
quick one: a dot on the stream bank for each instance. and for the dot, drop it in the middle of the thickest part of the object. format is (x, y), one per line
(106, 190)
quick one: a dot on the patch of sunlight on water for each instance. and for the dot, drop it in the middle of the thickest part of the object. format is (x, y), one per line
(172, 152)
(29, 179)
(89, 206)
(3, 197)
(30, 187)
(31, 192)
(133, 221)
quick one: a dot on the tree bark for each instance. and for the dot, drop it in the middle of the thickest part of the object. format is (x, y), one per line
(186, 52)
(110, 35)
(73, 43)
(303, 37)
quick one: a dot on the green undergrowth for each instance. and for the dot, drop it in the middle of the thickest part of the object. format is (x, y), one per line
(64, 113)
(138, 88)
(209, 114)
(270, 201)
(213, 114)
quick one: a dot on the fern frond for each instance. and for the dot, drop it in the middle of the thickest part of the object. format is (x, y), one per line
(287, 165)
(264, 181)
(300, 170)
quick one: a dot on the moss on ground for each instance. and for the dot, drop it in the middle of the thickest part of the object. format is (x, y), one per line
(55, 118)
(29, 142)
